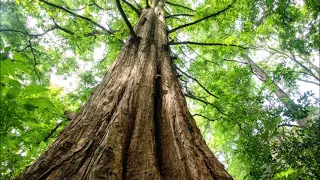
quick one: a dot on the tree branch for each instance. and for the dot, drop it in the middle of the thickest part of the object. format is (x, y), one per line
(94, 3)
(69, 116)
(177, 15)
(72, 33)
(27, 34)
(132, 7)
(205, 89)
(133, 34)
(52, 131)
(138, 5)
(147, 4)
(34, 61)
(206, 44)
(304, 67)
(288, 125)
(178, 5)
(318, 84)
(235, 61)
(205, 102)
(56, 26)
(199, 20)
(205, 117)
(77, 15)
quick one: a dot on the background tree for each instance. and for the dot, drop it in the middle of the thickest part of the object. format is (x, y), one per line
(241, 120)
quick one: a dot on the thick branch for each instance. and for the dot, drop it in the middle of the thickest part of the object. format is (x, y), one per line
(206, 44)
(199, 20)
(133, 34)
(177, 15)
(132, 7)
(76, 15)
(205, 89)
(178, 5)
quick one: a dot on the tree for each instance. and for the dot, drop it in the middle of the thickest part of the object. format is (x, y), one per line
(136, 123)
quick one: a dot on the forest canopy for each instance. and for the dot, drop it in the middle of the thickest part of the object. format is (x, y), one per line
(250, 71)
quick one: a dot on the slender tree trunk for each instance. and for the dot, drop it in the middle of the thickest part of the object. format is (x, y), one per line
(136, 124)
(282, 96)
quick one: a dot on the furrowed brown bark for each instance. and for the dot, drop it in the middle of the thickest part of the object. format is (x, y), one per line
(136, 124)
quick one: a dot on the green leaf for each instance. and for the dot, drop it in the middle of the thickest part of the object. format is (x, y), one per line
(7, 49)
(21, 66)
(43, 102)
(34, 89)
(15, 83)
(29, 107)
(7, 67)
(18, 57)
(42, 145)
(13, 93)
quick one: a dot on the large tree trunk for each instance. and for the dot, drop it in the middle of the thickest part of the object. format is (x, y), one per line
(136, 124)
